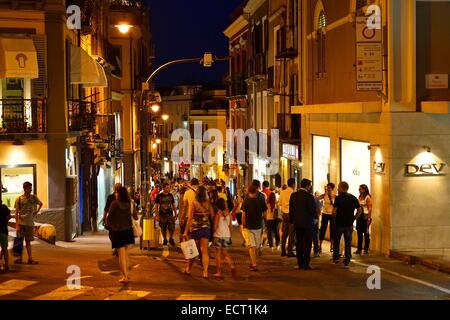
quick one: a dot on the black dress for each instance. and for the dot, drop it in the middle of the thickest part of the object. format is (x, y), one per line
(119, 219)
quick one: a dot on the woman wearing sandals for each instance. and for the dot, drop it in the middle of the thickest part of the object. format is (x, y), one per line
(119, 219)
(199, 227)
(222, 236)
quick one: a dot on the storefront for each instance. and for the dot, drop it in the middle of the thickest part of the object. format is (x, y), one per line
(290, 164)
(321, 162)
(21, 163)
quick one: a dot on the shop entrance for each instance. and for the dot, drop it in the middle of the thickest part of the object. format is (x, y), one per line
(355, 164)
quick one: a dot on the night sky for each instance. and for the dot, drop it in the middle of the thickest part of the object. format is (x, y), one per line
(187, 29)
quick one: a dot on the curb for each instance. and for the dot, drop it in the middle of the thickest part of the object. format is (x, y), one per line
(413, 260)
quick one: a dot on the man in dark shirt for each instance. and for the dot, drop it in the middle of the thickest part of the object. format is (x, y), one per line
(165, 209)
(344, 215)
(303, 213)
(253, 210)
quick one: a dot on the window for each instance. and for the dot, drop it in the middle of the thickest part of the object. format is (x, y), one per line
(12, 179)
(321, 24)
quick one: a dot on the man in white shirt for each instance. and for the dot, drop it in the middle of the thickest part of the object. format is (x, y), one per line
(188, 199)
(287, 228)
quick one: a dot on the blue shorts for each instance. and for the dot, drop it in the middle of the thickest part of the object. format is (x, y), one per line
(202, 233)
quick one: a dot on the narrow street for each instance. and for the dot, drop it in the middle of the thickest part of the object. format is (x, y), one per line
(156, 278)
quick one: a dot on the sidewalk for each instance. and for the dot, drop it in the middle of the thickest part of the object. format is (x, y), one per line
(438, 262)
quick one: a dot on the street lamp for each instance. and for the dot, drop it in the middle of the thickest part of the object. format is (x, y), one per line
(158, 141)
(155, 108)
(165, 117)
(124, 28)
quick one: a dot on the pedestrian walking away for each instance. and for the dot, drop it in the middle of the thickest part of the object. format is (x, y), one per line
(344, 215)
(303, 213)
(288, 230)
(222, 236)
(237, 212)
(119, 221)
(253, 210)
(109, 200)
(5, 215)
(27, 206)
(166, 213)
(272, 222)
(198, 228)
(365, 219)
(188, 199)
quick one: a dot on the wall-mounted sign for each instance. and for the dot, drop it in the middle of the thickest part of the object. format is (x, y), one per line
(379, 167)
(436, 81)
(290, 151)
(430, 169)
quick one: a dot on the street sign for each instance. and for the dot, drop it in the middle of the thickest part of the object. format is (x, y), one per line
(364, 33)
(369, 56)
(369, 75)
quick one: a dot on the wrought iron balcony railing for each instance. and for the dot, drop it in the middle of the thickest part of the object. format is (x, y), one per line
(82, 115)
(19, 115)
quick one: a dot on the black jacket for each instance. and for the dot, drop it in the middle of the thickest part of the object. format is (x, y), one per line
(302, 209)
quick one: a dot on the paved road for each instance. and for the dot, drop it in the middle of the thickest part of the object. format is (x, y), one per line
(157, 278)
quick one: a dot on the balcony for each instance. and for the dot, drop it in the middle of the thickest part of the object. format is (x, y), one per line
(23, 115)
(289, 126)
(82, 115)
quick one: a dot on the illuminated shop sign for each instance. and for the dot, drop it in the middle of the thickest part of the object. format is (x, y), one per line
(428, 169)
(290, 151)
(379, 167)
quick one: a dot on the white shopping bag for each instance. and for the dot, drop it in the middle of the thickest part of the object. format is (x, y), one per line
(189, 249)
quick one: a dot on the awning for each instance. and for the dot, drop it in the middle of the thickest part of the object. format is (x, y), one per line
(85, 70)
(18, 58)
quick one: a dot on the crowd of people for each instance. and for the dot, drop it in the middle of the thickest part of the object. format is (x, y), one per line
(287, 219)
(291, 220)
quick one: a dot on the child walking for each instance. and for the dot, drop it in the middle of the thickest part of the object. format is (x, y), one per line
(222, 236)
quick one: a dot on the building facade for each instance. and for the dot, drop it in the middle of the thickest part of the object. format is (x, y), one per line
(376, 112)
(62, 109)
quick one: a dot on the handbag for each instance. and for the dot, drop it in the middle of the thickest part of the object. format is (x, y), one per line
(189, 249)
(18, 246)
(137, 231)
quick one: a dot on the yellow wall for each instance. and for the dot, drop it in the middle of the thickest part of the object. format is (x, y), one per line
(23, 20)
(33, 152)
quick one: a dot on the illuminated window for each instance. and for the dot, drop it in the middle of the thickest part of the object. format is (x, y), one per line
(322, 23)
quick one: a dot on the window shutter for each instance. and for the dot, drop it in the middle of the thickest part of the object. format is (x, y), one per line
(39, 85)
